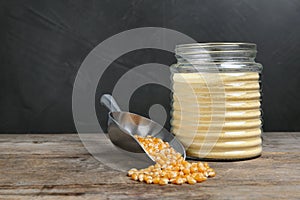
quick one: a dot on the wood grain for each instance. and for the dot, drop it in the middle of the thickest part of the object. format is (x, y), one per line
(53, 166)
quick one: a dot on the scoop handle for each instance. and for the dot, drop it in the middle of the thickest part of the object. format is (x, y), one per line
(110, 103)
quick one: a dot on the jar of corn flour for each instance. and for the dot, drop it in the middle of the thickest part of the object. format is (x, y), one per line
(216, 100)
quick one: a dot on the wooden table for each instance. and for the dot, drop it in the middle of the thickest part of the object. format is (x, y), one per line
(57, 166)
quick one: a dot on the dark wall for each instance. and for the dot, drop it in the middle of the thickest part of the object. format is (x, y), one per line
(43, 44)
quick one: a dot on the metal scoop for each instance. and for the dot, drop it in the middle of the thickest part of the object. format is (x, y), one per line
(122, 126)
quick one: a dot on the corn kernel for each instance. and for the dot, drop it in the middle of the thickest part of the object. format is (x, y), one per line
(170, 165)
(211, 173)
(199, 177)
(186, 171)
(156, 180)
(163, 181)
(131, 171)
(172, 174)
(194, 169)
(179, 181)
(141, 177)
(135, 176)
(191, 180)
(148, 179)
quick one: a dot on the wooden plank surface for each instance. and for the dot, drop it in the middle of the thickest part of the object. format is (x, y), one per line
(57, 166)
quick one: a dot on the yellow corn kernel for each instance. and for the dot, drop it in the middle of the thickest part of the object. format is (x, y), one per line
(172, 180)
(186, 171)
(194, 169)
(160, 161)
(191, 180)
(141, 177)
(186, 164)
(172, 174)
(131, 171)
(161, 146)
(194, 164)
(205, 173)
(185, 176)
(200, 165)
(135, 176)
(163, 181)
(163, 173)
(199, 177)
(211, 173)
(150, 167)
(179, 181)
(148, 179)
(177, 156)
(170, 165)
(156, 180)
(157, 165)
(175, 168)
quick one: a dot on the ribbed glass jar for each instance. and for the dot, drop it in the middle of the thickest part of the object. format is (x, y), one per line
(216, 98)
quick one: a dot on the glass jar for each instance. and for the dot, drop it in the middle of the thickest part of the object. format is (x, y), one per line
(216, 98)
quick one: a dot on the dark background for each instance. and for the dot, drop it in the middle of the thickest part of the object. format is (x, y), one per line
(43, 43)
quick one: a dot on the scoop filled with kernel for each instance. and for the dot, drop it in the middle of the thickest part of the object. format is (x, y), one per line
(121, 129)
(170, 166)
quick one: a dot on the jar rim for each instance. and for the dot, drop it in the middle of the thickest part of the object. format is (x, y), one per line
(218, 44)
(215, 48)
(225, 56)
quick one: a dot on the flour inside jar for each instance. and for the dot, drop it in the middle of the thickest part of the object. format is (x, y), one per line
(219, 112)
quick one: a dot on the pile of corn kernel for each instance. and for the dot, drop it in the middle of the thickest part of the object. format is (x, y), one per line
(170, 166)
